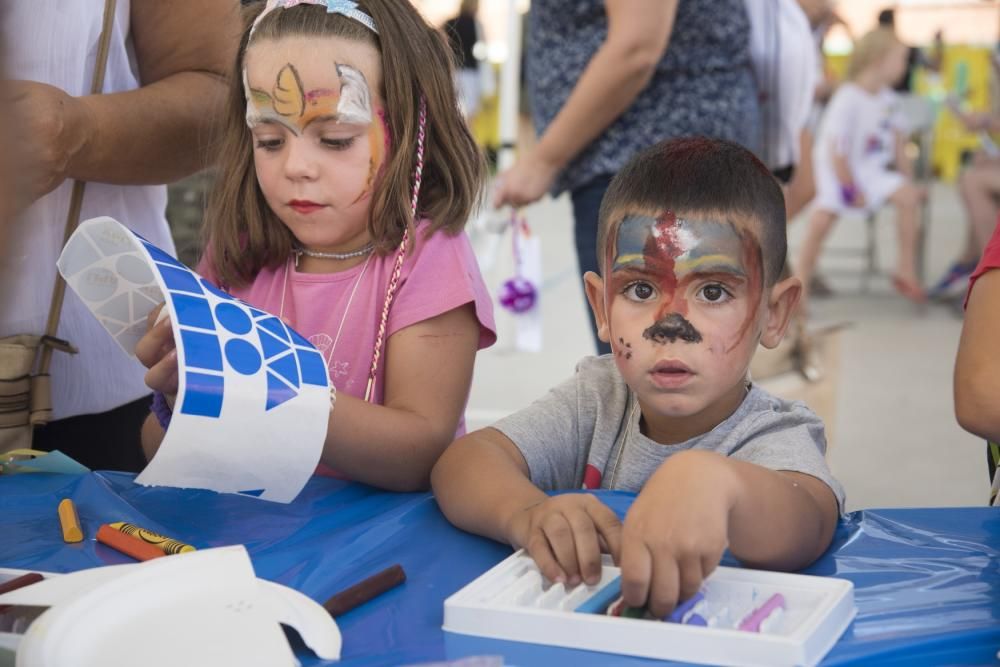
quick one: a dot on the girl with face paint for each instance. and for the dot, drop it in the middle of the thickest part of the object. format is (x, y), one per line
(347, 176)
(684, 299)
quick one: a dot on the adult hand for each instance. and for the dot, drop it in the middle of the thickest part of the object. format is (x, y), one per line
(53, 126)
(676, 531)
(157, 351)
(564, 536)
(526, 182)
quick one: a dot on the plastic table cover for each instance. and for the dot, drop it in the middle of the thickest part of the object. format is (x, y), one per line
(927, 581)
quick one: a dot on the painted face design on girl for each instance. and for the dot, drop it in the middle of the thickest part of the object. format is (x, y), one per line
(319, 135)
(682, 297)
(291, 104)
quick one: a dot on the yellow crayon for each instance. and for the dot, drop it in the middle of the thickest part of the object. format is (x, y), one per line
(69, 521)
(165, 544)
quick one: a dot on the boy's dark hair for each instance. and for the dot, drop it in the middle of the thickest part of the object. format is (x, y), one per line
(704, 176)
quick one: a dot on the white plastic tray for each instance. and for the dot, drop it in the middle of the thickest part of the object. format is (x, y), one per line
(513, 601)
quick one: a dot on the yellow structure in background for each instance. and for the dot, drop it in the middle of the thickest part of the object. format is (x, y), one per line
(485, 125)
(965, 76)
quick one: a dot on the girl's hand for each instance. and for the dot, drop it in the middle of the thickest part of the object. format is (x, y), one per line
(676, 531)
(565, 535)
(158, 352)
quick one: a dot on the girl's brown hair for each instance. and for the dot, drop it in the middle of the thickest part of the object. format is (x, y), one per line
(244, 236)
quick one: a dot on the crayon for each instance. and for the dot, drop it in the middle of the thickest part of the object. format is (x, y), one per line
(69, 521)
(759, 616)
(167, 545)
(686, 610)
(365, 590)
(131, 546)
(20, 582)
(600, 601)
(16, 583)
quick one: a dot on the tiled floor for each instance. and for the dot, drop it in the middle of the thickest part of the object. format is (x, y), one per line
(895, 442)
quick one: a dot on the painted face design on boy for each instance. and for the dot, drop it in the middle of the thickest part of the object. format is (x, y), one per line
(291, 105)
(663, 259)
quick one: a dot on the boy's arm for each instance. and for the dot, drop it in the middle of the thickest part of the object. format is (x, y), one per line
(977, 367)
(482, 485)
(698, 503)
(481, 481)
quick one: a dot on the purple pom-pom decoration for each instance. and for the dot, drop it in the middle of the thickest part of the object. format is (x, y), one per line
(518, 295)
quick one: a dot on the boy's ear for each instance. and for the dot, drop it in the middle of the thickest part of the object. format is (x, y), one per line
(781, 304)
(594, 286)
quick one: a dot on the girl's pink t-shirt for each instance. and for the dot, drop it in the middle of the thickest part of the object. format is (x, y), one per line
(340, 312)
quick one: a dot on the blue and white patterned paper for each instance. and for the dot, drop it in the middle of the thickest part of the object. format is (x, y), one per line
(253, 399)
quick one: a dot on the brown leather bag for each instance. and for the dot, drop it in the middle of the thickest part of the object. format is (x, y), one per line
(25, 384)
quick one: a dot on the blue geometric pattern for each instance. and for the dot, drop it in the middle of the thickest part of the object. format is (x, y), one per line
(233, 318)
(201, 350)
(288, 359)
(193, 311)
(243, 356)
(179, 279)
(203, 395)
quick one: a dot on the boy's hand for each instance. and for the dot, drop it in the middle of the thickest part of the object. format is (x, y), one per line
(565, 535)
(676, 531)
(158, 352)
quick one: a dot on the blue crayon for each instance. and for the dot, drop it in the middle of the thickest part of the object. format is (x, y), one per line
(677, 615)
(597, 603)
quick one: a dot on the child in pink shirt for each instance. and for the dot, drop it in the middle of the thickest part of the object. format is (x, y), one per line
(345, 184)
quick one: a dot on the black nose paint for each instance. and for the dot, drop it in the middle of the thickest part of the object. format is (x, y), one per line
(670, 328)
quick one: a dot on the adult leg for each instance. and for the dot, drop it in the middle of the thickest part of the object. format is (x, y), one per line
(820, 223)
(586, 204)
(105, 441)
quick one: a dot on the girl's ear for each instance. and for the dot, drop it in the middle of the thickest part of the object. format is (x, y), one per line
(780, 307)
(594, 286)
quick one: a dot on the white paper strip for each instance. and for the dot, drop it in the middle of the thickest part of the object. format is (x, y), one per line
(253, 399)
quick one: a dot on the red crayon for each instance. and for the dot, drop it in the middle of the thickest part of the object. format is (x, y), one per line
(365, 590)
(128, 545)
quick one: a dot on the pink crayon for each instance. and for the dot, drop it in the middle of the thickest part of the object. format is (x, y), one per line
(758, 616)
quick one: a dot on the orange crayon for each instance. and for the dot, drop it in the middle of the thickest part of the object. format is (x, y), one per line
(69, 521)
(167, 545)
(128, 545)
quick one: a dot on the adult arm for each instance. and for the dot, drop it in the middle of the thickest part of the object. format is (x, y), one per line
(638, 35)
(977, 367)
(155, 134)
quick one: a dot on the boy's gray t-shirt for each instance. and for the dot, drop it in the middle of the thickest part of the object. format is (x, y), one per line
(569, 437)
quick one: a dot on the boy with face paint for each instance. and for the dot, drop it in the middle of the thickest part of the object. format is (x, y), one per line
(692, 243)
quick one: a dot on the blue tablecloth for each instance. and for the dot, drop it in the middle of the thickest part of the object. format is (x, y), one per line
(927, 581)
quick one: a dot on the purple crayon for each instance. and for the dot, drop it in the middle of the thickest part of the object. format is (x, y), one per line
(759, 616)
(686, 613)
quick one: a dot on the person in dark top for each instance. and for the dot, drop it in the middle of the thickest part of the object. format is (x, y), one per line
(463, 32)
(609, 78)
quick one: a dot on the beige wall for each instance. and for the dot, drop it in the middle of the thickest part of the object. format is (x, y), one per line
(963, 21)
(969, 22)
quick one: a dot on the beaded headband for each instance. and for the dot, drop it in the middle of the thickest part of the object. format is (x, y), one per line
(347, 8)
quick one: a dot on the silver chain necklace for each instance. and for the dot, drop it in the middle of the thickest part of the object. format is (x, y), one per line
(316, 254)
